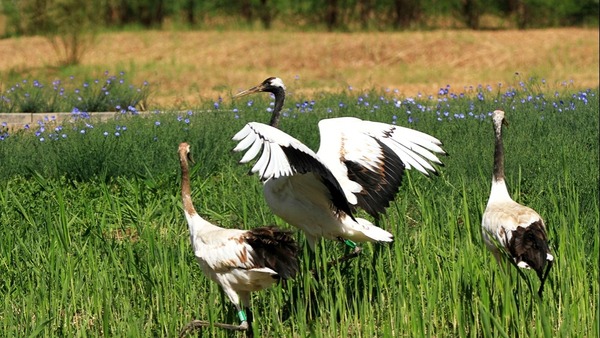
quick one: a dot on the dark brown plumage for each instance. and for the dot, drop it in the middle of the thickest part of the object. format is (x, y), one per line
(276, 249)
(530, 245)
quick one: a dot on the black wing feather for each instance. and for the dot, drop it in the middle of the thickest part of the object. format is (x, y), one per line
(303, 163)
(381, 186)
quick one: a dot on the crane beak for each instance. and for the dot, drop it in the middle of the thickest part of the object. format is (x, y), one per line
(252, 90)
(189, 157)
(505, 123)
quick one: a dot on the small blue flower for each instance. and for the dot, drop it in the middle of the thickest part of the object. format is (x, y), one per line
(157, 123)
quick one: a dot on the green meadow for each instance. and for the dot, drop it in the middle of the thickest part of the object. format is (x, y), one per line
(93, 241)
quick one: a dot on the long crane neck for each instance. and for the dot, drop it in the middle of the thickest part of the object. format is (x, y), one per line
(279, 100)
(498, 153)
(186, 190)
(499, 191)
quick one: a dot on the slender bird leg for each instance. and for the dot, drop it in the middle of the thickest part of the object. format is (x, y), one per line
(198, 324)
(356, 250)
(543, 278)
(250, 316)
(244, 320)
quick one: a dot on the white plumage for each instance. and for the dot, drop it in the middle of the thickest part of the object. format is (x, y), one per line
(358, 164)
(240, 261)
(517, 229)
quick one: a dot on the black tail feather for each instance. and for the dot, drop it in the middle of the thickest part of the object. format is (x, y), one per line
(530, 245)
(275, 249)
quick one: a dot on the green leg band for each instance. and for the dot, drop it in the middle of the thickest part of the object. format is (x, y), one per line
(350, 243)
(242, 316)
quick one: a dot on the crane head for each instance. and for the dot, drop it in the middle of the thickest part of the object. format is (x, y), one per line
(498, 118)
(271, 85)
(184, 151)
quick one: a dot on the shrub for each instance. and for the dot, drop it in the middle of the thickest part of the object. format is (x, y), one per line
(105, 94)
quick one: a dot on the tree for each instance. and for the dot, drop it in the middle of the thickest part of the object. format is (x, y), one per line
(406, 12)
(69, 25)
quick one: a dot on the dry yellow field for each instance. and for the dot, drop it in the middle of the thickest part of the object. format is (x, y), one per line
(187, 67)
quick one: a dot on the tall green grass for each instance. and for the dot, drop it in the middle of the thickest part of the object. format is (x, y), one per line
(93, 241)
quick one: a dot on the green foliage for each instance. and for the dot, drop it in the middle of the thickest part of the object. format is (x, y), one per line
(49, 16)
(550, 13)
(69, 25)
(97, 221)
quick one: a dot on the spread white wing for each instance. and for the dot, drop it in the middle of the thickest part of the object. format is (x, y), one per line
(283, 157)
(375, 155)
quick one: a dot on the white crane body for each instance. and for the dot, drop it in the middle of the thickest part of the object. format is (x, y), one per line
(240, 261)
(511, 227)
(359, 164)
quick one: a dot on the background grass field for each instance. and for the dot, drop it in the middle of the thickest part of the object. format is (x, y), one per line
(187, 68)
(93, 240)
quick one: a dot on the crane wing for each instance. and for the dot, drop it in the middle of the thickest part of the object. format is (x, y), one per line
(284, 156)
(226, 249)
(375, 155)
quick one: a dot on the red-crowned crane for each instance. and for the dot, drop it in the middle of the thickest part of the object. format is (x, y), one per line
(515, 228)
(358, 164)
(240, 261)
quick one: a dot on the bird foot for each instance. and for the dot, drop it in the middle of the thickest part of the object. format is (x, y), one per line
(198, 324)
(244, 325)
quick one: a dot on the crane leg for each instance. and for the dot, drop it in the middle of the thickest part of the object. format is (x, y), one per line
(246, 325)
